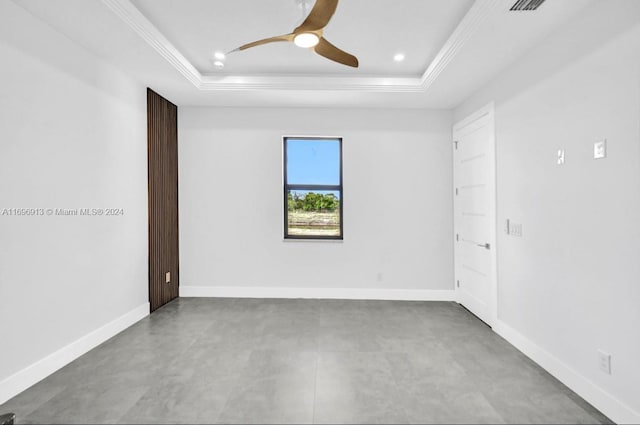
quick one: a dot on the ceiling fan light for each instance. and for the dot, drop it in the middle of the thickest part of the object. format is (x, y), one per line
(306, 40)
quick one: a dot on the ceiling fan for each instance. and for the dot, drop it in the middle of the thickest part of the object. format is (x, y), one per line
(310, 35)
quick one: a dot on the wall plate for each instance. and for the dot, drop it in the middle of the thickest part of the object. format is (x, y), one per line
(600, 149)
(604, 362)
(561, 157)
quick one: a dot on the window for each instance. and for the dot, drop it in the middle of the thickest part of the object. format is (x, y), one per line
(312, 188)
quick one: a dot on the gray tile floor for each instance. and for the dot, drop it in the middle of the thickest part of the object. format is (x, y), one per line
(303, 361)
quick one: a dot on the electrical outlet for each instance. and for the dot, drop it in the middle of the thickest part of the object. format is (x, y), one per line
(604, 362)
(600, 149)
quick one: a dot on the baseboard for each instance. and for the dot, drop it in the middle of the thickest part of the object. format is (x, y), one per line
(317, 293)
(616, 410)
(20, 381)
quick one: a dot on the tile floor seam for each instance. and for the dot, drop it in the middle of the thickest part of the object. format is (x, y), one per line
(228, 396)
(315, 388)
(397, 382)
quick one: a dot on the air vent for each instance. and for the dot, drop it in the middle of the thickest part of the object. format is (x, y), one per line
(527, 5)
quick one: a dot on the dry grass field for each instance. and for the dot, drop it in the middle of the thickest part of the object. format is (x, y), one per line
(316, 223)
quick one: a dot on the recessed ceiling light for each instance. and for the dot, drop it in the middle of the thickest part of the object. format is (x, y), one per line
(218, 64)
(306, 39)
(399, 57)
(220, 56)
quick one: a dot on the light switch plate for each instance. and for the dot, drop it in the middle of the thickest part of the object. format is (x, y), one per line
(600, 149)
(604, 362)
(561, 157)
(167, 277)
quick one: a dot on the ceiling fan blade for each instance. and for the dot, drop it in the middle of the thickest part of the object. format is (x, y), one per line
(329, 51)
(319, 17)
(286, 37)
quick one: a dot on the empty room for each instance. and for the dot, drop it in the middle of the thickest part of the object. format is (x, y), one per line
(319, 211)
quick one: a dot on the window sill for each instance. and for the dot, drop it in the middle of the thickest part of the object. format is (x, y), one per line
(292, 240)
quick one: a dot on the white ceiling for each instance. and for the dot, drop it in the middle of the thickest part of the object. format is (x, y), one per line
(453, 47)
(372, 30)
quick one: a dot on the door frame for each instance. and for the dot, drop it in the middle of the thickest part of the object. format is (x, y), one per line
(487, 113)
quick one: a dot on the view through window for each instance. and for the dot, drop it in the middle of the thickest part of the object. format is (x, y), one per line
(313, 188)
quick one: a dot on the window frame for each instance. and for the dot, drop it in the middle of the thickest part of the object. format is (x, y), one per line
(310, 187)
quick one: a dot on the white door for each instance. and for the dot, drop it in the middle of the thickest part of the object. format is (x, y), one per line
(475, 215)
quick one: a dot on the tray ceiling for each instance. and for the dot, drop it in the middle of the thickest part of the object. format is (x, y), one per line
(452, 48)
(373, 30)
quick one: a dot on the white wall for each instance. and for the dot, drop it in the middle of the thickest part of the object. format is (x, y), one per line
(72, 135)
(571, 285)
(397, 202)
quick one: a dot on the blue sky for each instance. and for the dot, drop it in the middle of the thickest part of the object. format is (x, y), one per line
(313, 161)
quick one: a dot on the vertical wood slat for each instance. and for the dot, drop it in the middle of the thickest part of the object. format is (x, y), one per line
(162, 130)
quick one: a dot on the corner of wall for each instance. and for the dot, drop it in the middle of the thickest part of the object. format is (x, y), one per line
(25, 378)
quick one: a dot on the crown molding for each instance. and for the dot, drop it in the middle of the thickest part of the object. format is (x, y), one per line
(139, 23)
(465, 30)
(366, 84)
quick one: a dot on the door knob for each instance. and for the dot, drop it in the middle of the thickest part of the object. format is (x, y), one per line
(486, 245)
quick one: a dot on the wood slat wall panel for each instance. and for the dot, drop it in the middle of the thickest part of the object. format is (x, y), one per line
(162, 130)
